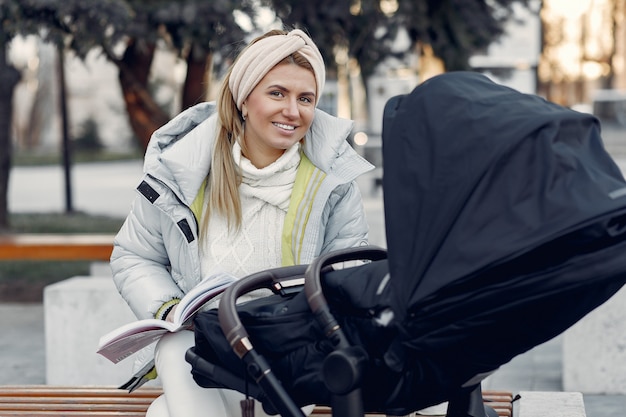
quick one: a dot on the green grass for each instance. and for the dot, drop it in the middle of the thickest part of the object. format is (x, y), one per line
(34, 159)
(45, 272)
(63, 223)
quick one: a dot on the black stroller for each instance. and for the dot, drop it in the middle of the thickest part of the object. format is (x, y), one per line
(504, 215)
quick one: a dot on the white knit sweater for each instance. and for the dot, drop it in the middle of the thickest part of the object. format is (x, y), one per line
(265, 195)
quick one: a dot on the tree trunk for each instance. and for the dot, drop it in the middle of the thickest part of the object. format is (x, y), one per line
(358, 95)
(344, 107)
(9, 77)
(197, 81)
(145, 116)
(65, 137)
(430, 64)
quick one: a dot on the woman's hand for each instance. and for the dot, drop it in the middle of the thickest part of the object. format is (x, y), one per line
(170, 314)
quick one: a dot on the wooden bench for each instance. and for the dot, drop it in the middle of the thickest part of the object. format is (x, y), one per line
(57, 247)
(87, 401)
(97, 401)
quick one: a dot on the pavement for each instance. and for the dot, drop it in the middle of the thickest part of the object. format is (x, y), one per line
(107, 188)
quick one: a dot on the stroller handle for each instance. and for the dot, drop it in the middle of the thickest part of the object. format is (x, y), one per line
(230, 323)
(313, 285)
(343, 368)
(238, 339)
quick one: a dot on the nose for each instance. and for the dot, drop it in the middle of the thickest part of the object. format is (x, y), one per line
(291, 108)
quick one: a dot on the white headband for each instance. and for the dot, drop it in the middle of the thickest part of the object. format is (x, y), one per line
(260, 57)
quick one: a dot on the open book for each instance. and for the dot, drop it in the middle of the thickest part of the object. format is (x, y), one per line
(122, 342)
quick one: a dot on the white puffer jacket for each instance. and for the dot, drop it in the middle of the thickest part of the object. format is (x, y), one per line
(156, 254)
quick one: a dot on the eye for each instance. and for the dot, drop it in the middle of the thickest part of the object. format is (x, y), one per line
(306, 99)
(276, 93)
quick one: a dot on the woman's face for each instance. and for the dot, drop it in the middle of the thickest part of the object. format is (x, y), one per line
(278, 112)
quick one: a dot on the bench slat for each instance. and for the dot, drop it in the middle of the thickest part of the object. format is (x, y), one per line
(49, 247)
(6, 401)
(62, 401)
(73, 406)
(83, 391)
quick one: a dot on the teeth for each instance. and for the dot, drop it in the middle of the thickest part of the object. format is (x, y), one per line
(282, 126)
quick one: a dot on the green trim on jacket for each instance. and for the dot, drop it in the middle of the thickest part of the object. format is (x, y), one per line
(198, 203)
(305, 188)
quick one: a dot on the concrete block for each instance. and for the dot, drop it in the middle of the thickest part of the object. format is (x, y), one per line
(552, 404)
(100, 269)
(77, 311)
(594, 350)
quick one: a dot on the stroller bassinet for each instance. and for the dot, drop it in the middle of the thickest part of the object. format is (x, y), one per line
(504, 215)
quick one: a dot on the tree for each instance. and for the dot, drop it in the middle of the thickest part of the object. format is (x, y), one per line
(24, 17)
(365, 30)
(353, 37)
(455, 29)
(358, 28)
(128, 33)
(194, 29)
(9, 77)
(14, 21)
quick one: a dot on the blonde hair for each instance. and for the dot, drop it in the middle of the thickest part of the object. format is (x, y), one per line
(225, 176)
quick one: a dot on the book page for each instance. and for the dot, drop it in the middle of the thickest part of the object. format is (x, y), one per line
(129, 338)
(200, 294)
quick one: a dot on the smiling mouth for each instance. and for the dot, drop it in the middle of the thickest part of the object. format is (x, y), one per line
(286, 127)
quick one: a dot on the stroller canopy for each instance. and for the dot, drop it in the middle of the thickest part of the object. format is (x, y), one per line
(477, 174)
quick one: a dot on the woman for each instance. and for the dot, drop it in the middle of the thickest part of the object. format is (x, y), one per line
(259, 180)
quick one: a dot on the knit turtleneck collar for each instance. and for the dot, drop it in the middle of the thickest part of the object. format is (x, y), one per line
(272, 183)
